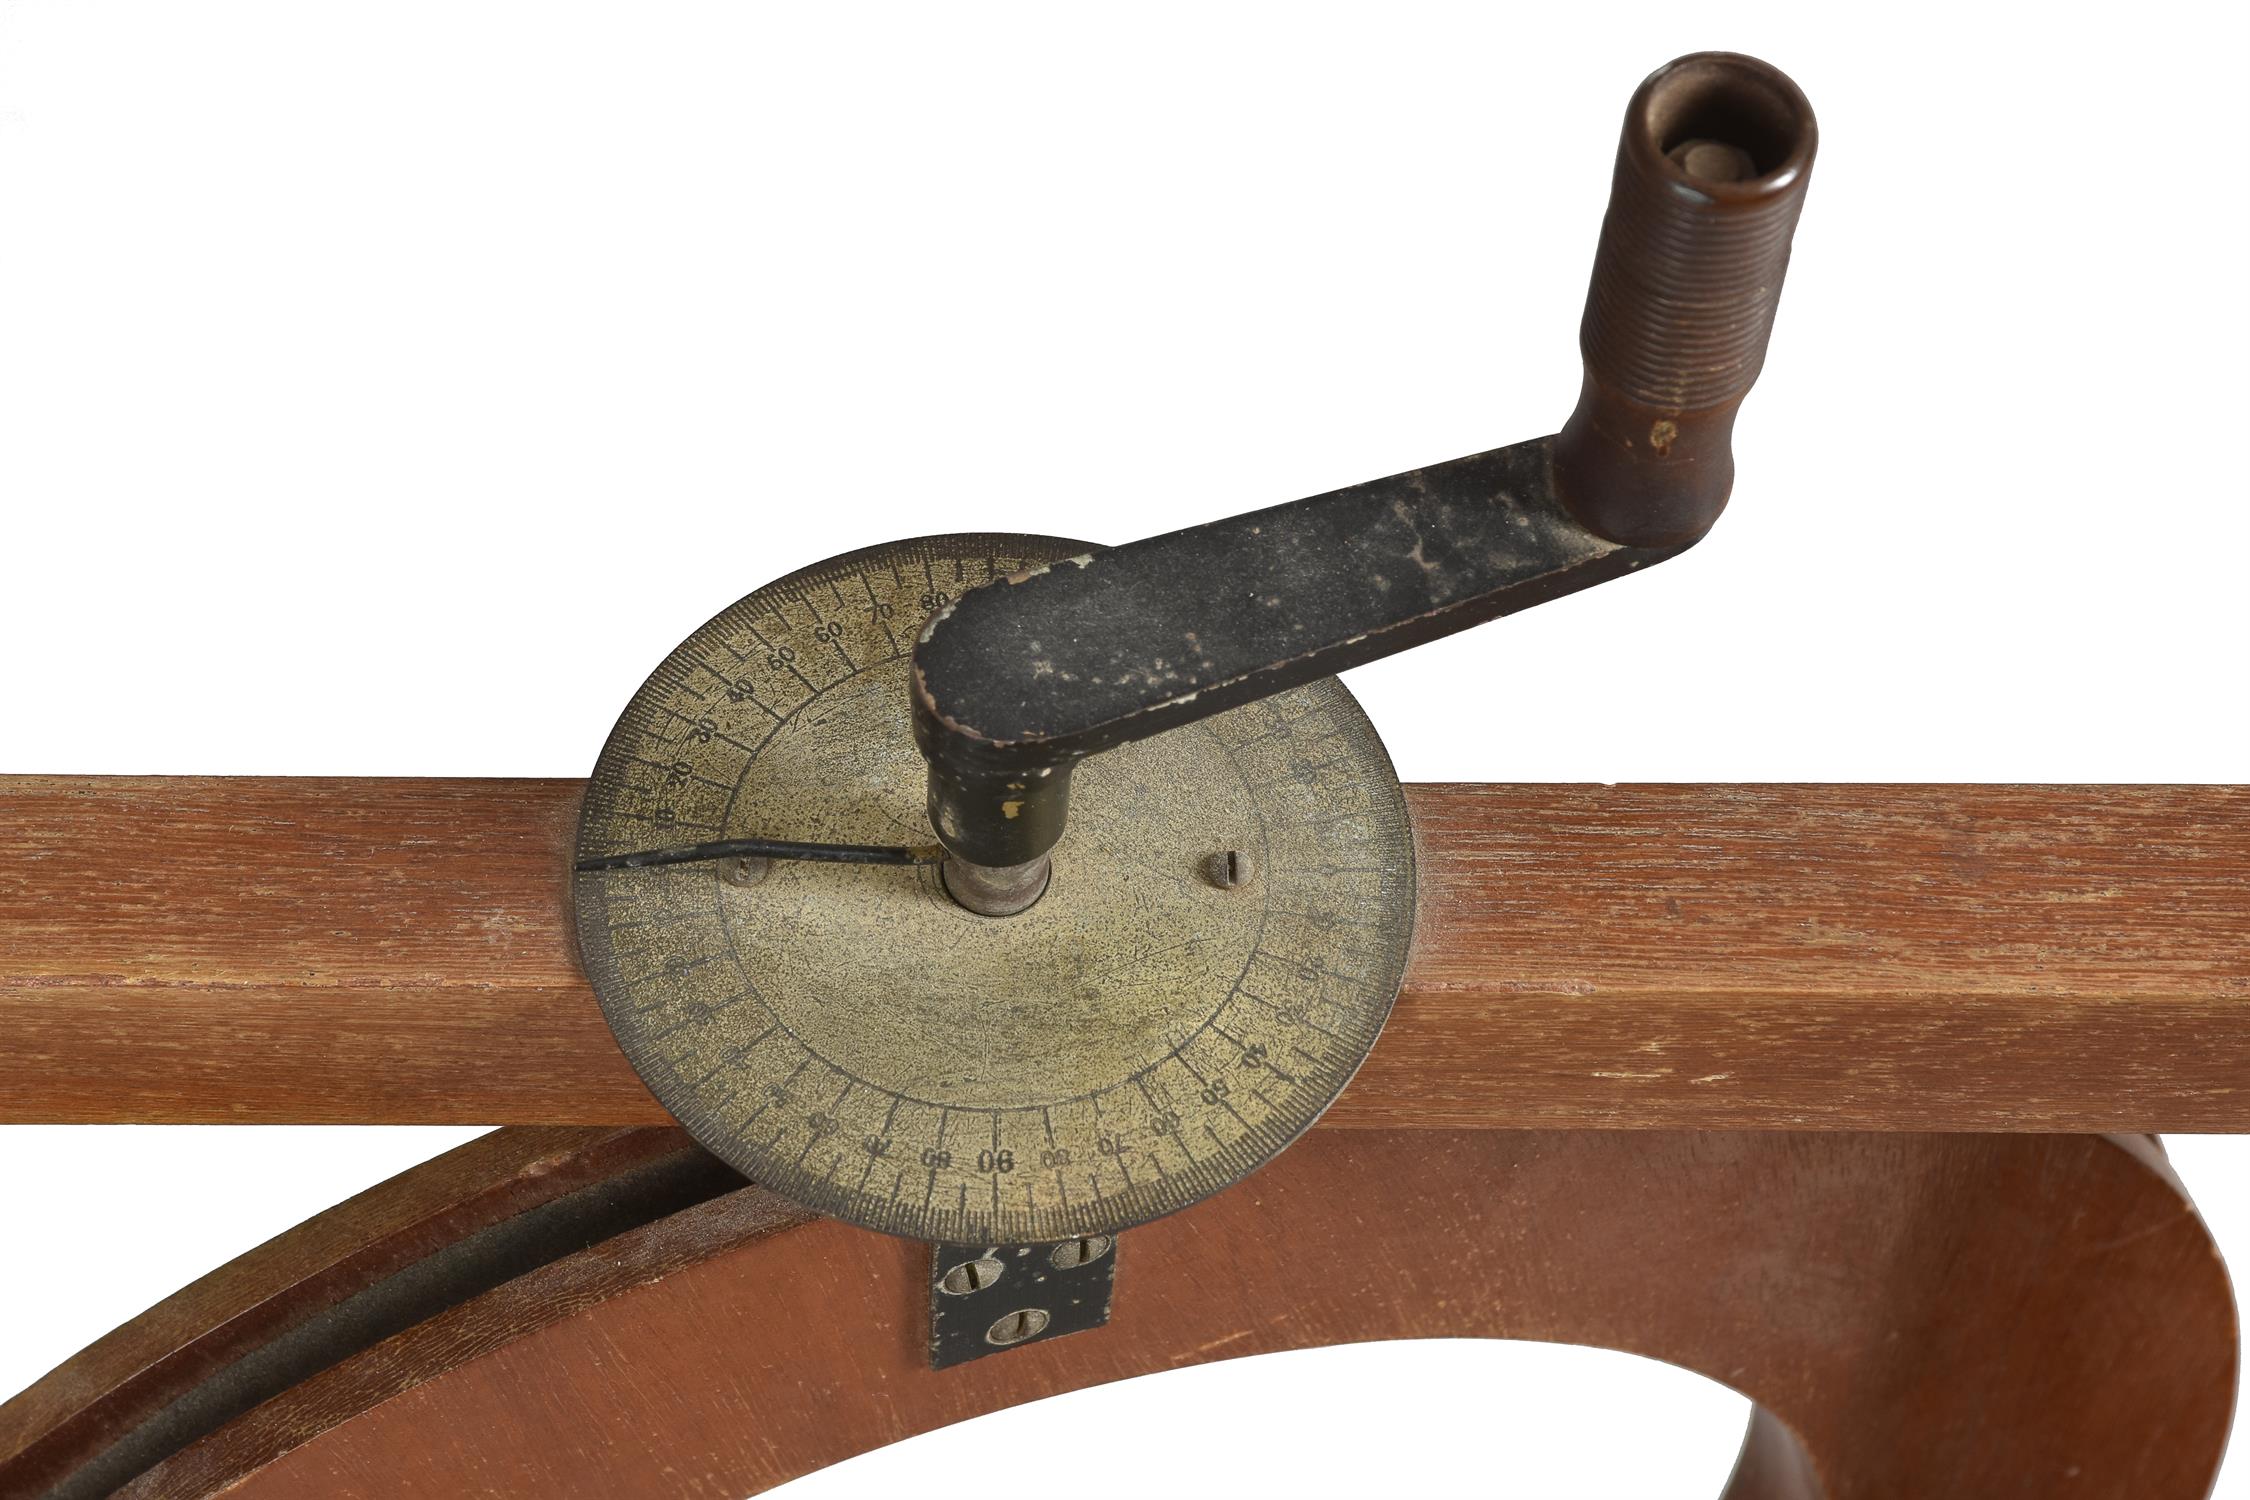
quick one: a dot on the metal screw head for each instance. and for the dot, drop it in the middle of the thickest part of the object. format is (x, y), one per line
(971, 1276)
(1228, 869)
(1071, 1254)
(1015, 1327)
(747, 869)
(1713, 161)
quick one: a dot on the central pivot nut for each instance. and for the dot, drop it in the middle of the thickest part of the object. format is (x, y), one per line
(996, 890)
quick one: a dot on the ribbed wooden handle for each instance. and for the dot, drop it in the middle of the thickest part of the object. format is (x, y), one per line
(1712, 167)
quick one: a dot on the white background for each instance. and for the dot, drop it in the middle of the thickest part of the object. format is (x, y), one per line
(375, 379)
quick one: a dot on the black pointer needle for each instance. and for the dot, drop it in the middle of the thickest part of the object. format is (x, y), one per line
(840, 854)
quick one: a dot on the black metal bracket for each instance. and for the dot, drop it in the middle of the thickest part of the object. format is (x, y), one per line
(984, 1299)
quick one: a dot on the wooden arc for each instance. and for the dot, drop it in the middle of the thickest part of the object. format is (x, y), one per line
(1913, 1315)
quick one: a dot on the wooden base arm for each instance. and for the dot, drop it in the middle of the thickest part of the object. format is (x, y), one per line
(1838, 957)
(1989, 1316)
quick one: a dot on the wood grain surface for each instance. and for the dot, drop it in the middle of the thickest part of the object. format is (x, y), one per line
(1915, 1315)
(216, 1344)
(1837, 957)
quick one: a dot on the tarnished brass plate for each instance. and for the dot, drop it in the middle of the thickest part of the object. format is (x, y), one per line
(849, 1037)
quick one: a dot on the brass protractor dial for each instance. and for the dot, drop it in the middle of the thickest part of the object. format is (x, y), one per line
(1224, 931)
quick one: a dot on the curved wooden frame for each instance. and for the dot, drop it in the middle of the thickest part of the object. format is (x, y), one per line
(1913, 1314)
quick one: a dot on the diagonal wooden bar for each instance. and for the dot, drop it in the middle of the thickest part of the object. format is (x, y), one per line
(1952, 958)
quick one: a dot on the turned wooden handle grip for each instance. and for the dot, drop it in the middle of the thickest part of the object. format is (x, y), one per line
(1712, 167)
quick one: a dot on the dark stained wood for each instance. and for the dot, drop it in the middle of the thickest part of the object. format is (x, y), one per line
(1997, 1316)
(1882, 957)
(134, 1374)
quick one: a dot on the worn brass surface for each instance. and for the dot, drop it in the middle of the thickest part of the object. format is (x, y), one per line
(850, 1037)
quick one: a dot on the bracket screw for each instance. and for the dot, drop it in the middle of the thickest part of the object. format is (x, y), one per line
(1015, 1327)
(1071, 1254)
(971, 1276)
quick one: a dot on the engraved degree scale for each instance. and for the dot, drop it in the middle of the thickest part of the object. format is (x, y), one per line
(850, 1035)
(1002, 893)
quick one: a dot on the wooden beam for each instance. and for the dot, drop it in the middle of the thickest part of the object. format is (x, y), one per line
(1839, 957)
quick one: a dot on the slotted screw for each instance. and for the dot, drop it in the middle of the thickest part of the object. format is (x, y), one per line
(1015, 1327)
(971, 1276)
(1228, 869)
(1071, 1254)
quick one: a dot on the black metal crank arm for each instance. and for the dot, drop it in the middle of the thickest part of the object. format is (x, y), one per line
(1019, 681)
(1022, 679)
